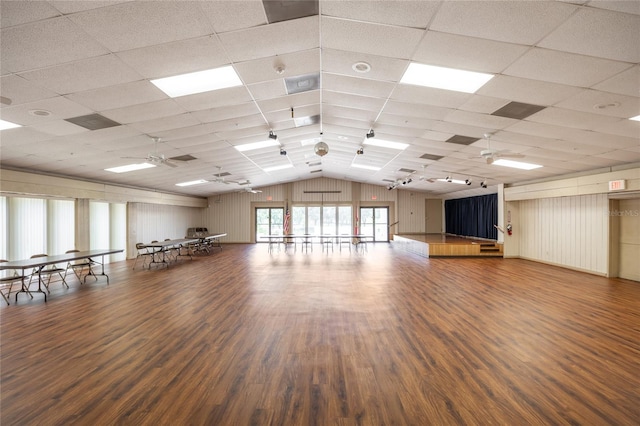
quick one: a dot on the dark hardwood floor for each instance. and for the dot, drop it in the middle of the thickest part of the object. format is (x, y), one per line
(244, 337)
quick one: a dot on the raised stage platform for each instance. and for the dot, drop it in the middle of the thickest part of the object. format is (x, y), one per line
(443, 245)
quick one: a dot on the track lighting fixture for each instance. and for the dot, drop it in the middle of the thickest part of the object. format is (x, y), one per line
(360, 151)
(467, 181)
(272, 135)
(483, 184)
(406, 181)
(370, 134)
(283, 152)
(448, 179)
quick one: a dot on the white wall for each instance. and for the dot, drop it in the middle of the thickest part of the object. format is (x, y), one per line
(628, 214)
(567, 231)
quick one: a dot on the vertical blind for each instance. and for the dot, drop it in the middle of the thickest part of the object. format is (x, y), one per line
(472, 216)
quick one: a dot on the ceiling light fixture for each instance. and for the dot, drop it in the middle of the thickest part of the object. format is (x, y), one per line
(4, 125)
(468, 181)
(516, 164)
(193, 182)
(371, 134)
(386, 144)
(365, 167)
(257, 145)
(636, 118)
(283, 152)
(361, 67)
(198, 82)
(451, 180)
(276, 168)
(444, 78)
(272, 135)
(483, 184)
(360, 151)
(130, 167)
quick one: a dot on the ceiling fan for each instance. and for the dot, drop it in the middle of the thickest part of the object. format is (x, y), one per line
(253, 191)
(490, 155)
(155, 157)
(220, 177)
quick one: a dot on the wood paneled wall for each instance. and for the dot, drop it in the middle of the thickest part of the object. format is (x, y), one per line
(567, 231)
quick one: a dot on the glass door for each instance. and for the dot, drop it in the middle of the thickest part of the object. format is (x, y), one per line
(269, 221)
(375, 222)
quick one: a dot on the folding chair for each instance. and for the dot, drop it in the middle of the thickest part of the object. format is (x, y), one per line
(144, 254)
(8, 281)
(49, 271)
(77, 266)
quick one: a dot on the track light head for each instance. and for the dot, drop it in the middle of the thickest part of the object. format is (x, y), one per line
(283, 152)
(370, 134)
(467, 181)
(483, 184)
(360, 151)
(448, 179)
(272, 135)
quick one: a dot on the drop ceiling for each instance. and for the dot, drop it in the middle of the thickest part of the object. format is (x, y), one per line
(77, 76)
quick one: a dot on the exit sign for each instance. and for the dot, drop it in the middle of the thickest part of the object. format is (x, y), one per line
(616, 185)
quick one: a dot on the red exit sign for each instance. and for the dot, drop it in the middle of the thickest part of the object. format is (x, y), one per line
(616, 185)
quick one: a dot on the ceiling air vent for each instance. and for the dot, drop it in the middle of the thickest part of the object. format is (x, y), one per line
(302, 83)
(285, 10)
(93, 122)
(187, 157)
(403, 170)
(462, 140)
(517, 110)
(431, 157)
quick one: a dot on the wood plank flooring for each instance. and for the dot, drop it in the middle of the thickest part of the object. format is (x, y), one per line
(244, 337)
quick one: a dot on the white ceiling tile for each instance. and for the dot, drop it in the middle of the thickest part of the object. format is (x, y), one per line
(166, 123)
(234, 15)
(271, 40)
(143, 112)
(20, 12)
(483, 104)
(511, 22)
(374, 39)
(353, 101)
(415, 14)
(415, 110)
(429, 96)
(527, 91)
(86, 74)
(295, 101)
(486, 121)
(59, 107)
(180, 57)
(356, 86)
(131, 25)
(49, 42)
(382, 68)
(223, 113)
(471, 54)
(571, 118)
(214, 99)
(598, 33)
(620, 6)
(621, 127)
(564, 68)
(118, 96)
(625, 83)
(59, 128)
(22, 91)
(622, 156)
(592, 100)
(20, 137)
(292, 64)
(267, 89)
(68, 7)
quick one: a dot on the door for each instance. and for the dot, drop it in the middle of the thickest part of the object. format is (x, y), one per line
(375, 222)
(433, 223)
(269, 221)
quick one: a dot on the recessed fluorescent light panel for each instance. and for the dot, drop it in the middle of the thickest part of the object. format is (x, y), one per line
(276, 168)
(198, 82)
(386, 144)
(636, 118)
(130, 168)
(364, 166)
(193, 182)
(4, 125)
(444, 78)
(458, 181)
(257, 145)
(516, 164)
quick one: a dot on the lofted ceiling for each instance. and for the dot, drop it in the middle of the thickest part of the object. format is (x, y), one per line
(77, 76)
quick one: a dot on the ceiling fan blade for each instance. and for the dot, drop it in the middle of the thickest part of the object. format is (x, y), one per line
(169, 163)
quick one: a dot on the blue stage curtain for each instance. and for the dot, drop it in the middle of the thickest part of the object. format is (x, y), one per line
(472, 216)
